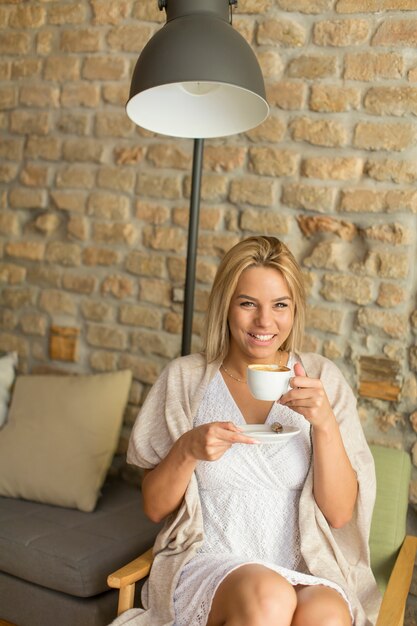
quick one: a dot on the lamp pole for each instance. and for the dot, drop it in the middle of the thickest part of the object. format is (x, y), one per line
(187, 324)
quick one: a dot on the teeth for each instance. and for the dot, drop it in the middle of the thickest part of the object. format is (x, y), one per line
(262, 337)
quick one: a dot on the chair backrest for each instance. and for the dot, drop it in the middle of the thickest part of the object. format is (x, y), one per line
(388, 529)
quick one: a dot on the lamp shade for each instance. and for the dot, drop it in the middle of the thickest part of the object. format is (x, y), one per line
(197, 76)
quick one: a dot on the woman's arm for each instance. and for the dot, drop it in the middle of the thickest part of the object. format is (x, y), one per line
(334, 480)
(163, 487)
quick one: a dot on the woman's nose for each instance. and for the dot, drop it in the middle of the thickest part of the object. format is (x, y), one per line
(263, 316)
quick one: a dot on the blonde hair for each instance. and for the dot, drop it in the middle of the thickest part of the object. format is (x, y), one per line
(260, 251)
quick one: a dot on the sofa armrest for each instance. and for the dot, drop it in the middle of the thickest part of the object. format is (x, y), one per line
(395, 596)
(127, 576)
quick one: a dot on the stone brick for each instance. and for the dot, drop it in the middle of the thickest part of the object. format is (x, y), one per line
(97, 310)
(216, 244)
(396, 32)
(8, 172)
(391, 100)
(210, 217)
(395, 234)
(6, 70)
(272, 161)
(172, 322)
(337, 288)
(109, 12)
(14, 43)
(271, 63)
(164, 238)
(11, 149)
(143, 369)
(331, 350)
(384, 264)
(27, 17)
(57, 68)
(64, 14)
(25, 68)
(271, 130)
(147, 12)
(320, 132)
(74, 123)
(44, 276)
(30, 250)
(45, 42)
(392, 170)
(369, 66)
(93, 255)
(55, 302)
(413, 361)
(151, 213)
(29, 123)
(255, 6)
(347, 32)
(144, 264)
(33, 324)
(330, 255)
(80, 94)
(84, 150)
(412, 75)
(18, 297)
(401, 201)
(41, 96)
(112, 124)
(282, 32)
(62, 253)
(75, 177)
(334, 99)
(325, 319)
(8, 97)
(312, 225)
(287, 95)
(245, 27)
(156, 291)
(129, 37)
(115, 233)
(12, 274)
(305, 6)
(391, 295)
(362, 201)
(79, 283)
(374, 6)
(374, 320)
(108, 206)
(169, 156)
(106, 337)
(23, 198)
(12, 343)
(312, 67)
(129, 155)
(71, 201)
(121, 179)
(118, 286)
(48, 148)
(213, 187)
(8, 319)
(47, 223)
(160, 344)
(137, 315)
(308, 197)
(34, 175)
(103, 361)
(252, 190)
(80, 40)
(9, 224)
(269, 222)
(115, 93)
(156, 185)
(335, 168)
(78, 228)
(384, 136)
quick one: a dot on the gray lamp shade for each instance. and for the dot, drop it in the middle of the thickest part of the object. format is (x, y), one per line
(197, 76)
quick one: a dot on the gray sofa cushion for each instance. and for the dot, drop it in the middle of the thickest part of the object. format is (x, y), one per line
(71, 551)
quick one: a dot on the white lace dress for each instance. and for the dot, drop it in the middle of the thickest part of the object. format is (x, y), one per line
(249, 501)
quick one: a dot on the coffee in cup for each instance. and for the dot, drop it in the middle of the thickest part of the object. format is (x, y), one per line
(268, 381)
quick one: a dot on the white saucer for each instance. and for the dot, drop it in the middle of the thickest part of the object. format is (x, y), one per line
(264, 434)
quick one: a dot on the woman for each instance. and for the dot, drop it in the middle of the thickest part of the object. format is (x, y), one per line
(254, 534)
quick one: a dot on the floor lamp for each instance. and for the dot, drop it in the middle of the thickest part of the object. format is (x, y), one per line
(196, 78)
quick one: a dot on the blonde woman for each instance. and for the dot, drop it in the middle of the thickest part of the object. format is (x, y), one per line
(255, 534)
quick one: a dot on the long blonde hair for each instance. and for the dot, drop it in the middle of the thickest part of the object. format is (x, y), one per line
(260, 251)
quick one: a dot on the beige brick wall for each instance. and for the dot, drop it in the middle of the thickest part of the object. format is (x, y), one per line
(94, 211)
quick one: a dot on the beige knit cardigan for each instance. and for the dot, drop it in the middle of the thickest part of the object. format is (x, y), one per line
(341, 555)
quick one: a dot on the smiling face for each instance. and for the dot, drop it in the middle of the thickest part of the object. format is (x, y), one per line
(261, 315)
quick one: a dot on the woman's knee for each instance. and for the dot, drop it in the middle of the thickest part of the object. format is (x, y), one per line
(253, 595)
(321, 606)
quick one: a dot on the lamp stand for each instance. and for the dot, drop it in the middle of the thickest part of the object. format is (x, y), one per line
(187, 324)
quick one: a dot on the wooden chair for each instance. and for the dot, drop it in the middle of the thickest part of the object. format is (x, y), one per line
(392, 552)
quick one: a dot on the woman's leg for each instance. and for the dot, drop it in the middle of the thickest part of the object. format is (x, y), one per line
(320, 606)
(253, 595)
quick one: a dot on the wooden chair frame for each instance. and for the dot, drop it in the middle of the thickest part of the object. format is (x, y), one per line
(393, 603)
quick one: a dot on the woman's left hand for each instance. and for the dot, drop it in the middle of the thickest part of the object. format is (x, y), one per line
(309, 398)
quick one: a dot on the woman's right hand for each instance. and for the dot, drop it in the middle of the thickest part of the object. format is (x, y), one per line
(210, 441)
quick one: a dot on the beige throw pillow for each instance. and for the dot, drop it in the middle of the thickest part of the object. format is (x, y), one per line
(60, 437)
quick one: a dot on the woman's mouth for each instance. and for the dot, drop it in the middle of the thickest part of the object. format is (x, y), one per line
(262, 338)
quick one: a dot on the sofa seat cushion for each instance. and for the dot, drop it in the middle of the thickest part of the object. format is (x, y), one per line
(69, 550)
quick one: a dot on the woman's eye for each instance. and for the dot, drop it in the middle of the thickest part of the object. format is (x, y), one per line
(281, 305)
(247, 304)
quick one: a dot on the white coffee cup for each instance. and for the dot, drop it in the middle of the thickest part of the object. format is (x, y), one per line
(268, 381)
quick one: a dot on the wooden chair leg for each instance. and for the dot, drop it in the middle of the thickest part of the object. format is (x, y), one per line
(126, 598)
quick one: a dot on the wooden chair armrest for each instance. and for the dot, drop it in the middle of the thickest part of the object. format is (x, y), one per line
(395, 596)
(127, 576)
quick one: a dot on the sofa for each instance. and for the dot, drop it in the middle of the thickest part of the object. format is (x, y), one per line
(66, 517)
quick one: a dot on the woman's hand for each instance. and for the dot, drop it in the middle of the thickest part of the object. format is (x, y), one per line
(210, 441)
(309, 398)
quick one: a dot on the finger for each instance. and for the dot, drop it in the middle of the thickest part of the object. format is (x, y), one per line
(304, 381)
(299, 370)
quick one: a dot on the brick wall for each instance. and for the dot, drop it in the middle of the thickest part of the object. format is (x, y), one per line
(94, 210)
